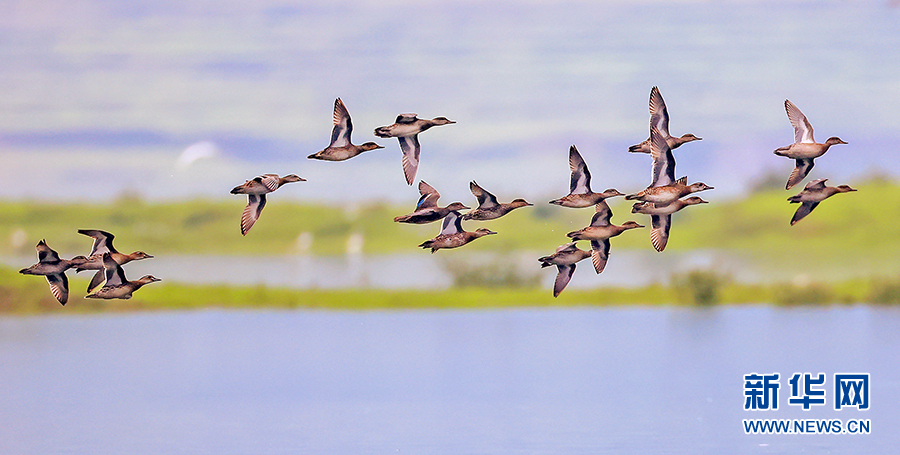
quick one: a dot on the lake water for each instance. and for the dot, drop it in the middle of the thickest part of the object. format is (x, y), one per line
(535, 381)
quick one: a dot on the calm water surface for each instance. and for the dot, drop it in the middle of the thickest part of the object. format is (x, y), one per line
(573, 381)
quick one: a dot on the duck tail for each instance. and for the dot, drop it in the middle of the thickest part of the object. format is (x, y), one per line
(780, 150)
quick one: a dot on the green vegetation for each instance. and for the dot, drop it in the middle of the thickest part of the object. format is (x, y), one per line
(21, 294)
(854, 230)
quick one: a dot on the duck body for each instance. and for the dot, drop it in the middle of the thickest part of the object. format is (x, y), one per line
(116, 285)
(814, 193)
(599, 232)
(665, 195)
(805, 148)
(580, 194)
(53, 269)
(452, 235)
(427, 210)
(564, 259)
(661, 218)
(659, 117)
(341, 147)
(406, 129)
(488, 207)
(256, 191)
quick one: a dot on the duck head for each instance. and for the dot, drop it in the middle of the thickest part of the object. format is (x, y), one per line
(290, 178)
(370, 146)
(834, 140)
(693, 200)
(481, 232)
(690, 137)
(844, 188)
(457, 206)
(148, 279)
(442, 121)
(139, 255)
(612, 192)
(700, 186)
(520, 203)
(631, 225)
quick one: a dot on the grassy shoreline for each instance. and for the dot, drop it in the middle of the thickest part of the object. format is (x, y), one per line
(27, 295)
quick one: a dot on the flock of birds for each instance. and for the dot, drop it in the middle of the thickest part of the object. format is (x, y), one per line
(664, 196)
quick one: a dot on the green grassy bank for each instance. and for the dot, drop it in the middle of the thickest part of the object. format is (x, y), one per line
(29, 295)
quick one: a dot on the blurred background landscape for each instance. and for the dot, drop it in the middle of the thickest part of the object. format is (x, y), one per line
(138, 119)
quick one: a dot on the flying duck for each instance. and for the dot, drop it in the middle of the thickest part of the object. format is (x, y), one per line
(427, 210)
(452, 234)
(580, 194)
(341, 148)
(406, 129)
(599, 233)
(659, 116)
(488, 207)
(256, 191)
(116, 285)
(103, 244)
(814, 193)
(805, 148)
(54, 269)
(564, 259)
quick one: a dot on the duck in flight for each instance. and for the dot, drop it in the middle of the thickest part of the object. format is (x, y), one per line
(452, 234)
(599, 232)
(814, 193)
(659, 116)
(406, 129)
(54, 269)
(564, 259)
(103, 244)
(341, 148)
(256, 191)
(805, 148)
(427, 210)
(580, 194)
(116, 285)
(488, 207)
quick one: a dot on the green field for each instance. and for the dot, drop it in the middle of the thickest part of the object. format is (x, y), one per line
(852, 229)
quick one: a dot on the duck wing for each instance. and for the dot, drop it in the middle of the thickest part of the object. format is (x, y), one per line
(409, 145)
(102, 241)
(486, 200)
(429, 196)
(45, 253)
(663, 170)
(599, 254)
(255, 204)
(563, 275)
(805, 209)
(801, 170)
(602, 216)
(406, 118)
(580, 182)
(659, 235)
(270, 181)
(59, 287)
(659, 115)
(96, 281)
(803, 131)
(816, 185)
(452, 224)
(115, 275)
(343, 127)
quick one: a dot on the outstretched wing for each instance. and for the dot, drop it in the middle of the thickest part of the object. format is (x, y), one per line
(102, 241)
(602, 216)
(270, 181)
(45, 253)
(581, 178)
(563, 276)
(803, 131)
(429, 196)
(801, 170)
(115, 275)
(340, 134)
(406, 118)
(816, 185)
(599, 254)
(59, 287)
(255, 204)
(486, 200)
(659, 116)
(659, 235)
(663, 170)
(805, 209)
(452, 224)
(410, 147)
